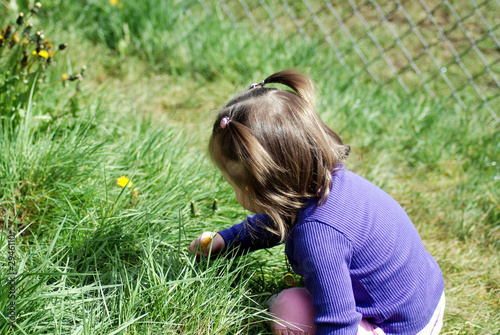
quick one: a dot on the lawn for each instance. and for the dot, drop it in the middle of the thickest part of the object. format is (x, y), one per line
(133, 95)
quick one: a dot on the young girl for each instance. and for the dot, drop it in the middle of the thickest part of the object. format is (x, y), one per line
(365, 268)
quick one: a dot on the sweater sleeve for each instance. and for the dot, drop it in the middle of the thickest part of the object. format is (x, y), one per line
(323, 256)
(250, 234)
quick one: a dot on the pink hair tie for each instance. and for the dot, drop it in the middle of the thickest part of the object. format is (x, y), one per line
(224, 122)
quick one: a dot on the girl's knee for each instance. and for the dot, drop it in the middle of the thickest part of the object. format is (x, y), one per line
(293, 311)
(291, 298)
(289, 332)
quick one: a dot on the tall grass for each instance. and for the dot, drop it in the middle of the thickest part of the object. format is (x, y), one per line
(93, 256)
(97, 258)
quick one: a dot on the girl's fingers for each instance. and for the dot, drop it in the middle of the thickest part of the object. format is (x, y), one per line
(202, 243)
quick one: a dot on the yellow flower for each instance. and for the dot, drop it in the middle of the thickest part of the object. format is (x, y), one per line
(113, 2)
(64, 76)
(205, 241)
(122, 182)
(15, 38)
(1, 37)
(44, 54)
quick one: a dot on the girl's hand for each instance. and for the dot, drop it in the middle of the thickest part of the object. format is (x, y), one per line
(208, 243)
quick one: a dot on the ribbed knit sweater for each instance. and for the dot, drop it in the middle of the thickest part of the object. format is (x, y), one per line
(360, 256)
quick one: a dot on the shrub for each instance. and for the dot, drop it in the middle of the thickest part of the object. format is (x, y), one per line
(26, 58)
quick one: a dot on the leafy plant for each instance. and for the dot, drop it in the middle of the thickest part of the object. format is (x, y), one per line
(26, 58)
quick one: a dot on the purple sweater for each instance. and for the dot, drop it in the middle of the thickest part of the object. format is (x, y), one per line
(360, 256)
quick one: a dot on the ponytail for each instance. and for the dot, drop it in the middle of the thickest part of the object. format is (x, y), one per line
(299, 83)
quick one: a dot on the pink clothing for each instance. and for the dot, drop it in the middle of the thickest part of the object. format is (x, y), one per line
(434, 326)
(295, 315)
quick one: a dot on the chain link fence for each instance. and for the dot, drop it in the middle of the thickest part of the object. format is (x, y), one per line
(448, 49)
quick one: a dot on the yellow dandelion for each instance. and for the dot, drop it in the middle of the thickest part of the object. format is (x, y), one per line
(205, 240)
(44, 54)
(122, 182)
(1, 37)
(64, 76)
(34, 52)
(113, 2)
(15, 38)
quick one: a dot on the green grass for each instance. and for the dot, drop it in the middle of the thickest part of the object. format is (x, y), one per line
(93, 258)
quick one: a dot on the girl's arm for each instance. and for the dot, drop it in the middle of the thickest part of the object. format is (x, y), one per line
(250, 235)
(323, 255)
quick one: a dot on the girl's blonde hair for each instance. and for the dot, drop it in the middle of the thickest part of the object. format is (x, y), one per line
(275, 148)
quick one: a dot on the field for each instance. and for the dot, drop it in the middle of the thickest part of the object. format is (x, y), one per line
(133, 95)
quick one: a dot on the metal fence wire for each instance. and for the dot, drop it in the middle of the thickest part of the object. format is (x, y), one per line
(449, 49)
